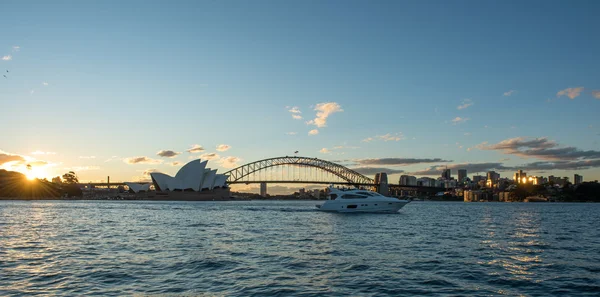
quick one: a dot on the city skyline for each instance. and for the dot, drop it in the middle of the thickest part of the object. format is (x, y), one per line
(398, 87)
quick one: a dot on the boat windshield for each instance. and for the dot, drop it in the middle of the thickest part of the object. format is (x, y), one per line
(352, 196)
(369, 193)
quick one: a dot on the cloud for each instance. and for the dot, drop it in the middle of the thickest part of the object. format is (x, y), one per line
(31, 92)
(167, 154)
(540, 148)
(83, 168)
(368, 139)
(313, 132)
(291, 133)
(470, 167)
(87, 157)
(560, 165)
(375, 170)
(175, 163)
(16, 48)
(44, 83)
(111, 158)
(387, 137)
(398, 161)
(230, 162)
(596, 94)
(509, 93)
(324, 110)
(6, 158)
(43, 153)
(570, 92)
(223, 147)
(324, 151)
(141, 160)
(196, 148)
(209, 156)
(295, 111)
(7, 58)
(467, 134)
(465, 103)
(458, 120)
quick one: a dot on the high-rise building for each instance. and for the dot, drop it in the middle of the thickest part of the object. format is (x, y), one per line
(462, 174)
(520, 177)
(407, 180)
(478, 178)
(446, 174)
(493, 176)
(578, 179)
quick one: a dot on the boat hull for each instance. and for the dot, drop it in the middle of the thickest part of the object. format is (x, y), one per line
(363, 207)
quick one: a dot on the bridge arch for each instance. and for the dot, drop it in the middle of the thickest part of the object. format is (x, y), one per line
(350, 176)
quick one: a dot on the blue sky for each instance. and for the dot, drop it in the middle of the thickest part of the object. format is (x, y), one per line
(123, 79)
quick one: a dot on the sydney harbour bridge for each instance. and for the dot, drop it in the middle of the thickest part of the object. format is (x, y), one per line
(305, 170)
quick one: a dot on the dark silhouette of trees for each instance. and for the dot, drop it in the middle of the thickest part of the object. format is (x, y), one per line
(70, 178)
(57, 180)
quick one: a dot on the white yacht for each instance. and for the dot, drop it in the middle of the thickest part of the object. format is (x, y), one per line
(357, 200)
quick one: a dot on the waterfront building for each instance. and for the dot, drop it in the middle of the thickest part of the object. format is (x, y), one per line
(478, 178)
(408, 180)
(520, 177)
(192, 182)
(138, 187)
(446, 174)
(462, 174)
(578, 179)
(426, 182)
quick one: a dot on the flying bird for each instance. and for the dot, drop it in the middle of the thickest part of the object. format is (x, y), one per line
(295, 152)
(4, 76)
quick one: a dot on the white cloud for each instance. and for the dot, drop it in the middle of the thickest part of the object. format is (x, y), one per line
(390, 137)
(458, 120)
(31, 92)
(570, 92)
(196, 148)
(596, 94)
(324, 110)
(44, 83)
(291, 133)
(229, 162)
(43, 153)
(7, 58)
(209, 156)
(467, 134)
(16, 48)
(313, 132)
(175, 163)
(465, 103)
(223, 147)
(368, 139)
(510, 92)
(387, 137)
(324, 151)
(295, 111)
(87, 157)
(84, 168)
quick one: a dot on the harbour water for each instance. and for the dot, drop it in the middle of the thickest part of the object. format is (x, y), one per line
(270, 248)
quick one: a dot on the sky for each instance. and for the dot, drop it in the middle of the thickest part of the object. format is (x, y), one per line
(122, 88)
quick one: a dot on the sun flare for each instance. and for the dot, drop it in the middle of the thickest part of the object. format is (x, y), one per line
(34, 173)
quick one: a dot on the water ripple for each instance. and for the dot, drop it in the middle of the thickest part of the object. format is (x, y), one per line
(258, 248)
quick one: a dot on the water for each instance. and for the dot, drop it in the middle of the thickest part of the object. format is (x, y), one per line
(286, 248)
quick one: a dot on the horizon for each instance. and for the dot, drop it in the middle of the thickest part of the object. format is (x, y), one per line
(400, 87)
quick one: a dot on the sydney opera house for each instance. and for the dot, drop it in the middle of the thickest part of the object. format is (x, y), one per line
(193, 182)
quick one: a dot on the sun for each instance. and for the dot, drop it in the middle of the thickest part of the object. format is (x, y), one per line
(35, 172)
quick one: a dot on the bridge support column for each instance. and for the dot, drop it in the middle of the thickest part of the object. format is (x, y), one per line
(263, 189)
